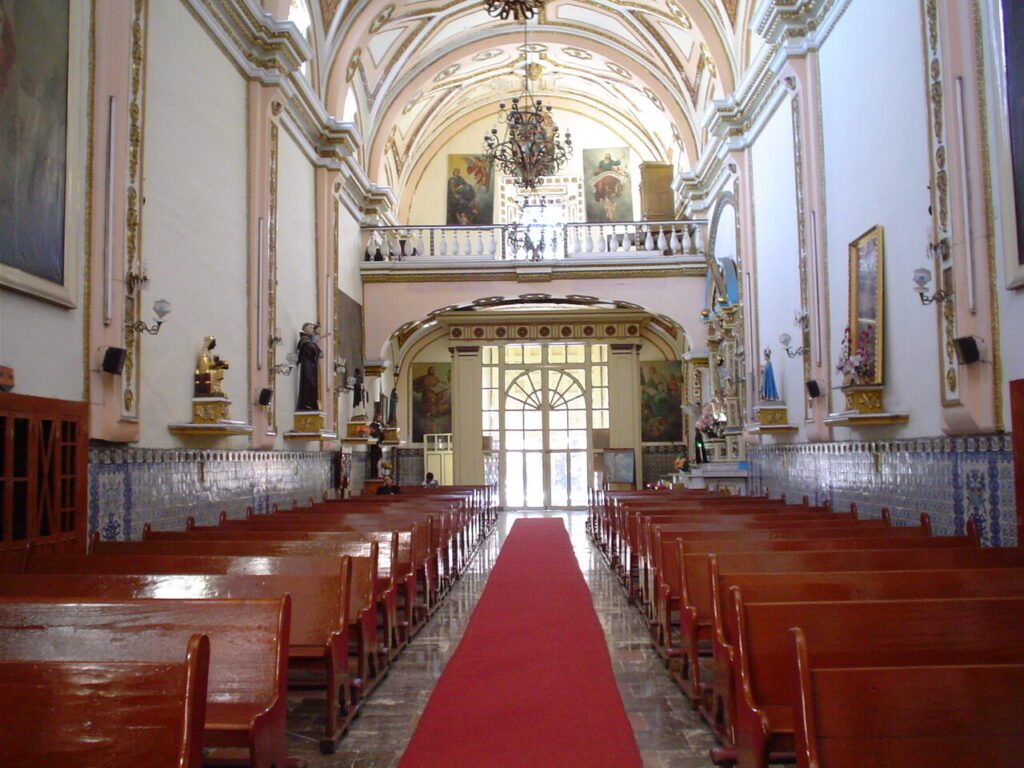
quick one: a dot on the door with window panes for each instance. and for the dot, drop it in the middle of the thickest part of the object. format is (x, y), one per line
(541, 403)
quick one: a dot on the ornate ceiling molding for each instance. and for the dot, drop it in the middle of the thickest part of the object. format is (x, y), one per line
(264, 48)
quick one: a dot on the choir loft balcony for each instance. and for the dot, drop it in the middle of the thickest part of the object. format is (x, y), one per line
(534, 252)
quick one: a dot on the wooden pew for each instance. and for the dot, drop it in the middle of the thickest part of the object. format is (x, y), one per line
(668, 576)
(833, 586)
(395, 568)
(105, 714)
(366, 601)
(319, 637)
(964, 715)
(880, 633)
(695, 584)
(246, 702)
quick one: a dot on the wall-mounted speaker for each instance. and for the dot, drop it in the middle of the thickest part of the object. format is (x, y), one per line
(967, 350)
(813, 390)
(265, 396)
(113, 360)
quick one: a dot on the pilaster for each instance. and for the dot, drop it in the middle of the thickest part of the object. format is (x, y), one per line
(467, 415)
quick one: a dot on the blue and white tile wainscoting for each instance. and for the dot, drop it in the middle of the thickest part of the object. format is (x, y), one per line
(129, 487)
(953, 479)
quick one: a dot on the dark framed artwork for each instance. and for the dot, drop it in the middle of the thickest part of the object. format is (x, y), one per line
(41, 132)
(431, 395)
(1013, 42)
(470, 191)
(608, 188)
(661, 401)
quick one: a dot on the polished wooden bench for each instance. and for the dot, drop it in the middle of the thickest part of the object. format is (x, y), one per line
(966, 715)
(319, 626)
(366, 600)
(105, 714)
(852, 634)
(394, 570)
(668, 575)
(246, 694)
(833, 586)
(695, 590)
(418, 545)
(655, 559)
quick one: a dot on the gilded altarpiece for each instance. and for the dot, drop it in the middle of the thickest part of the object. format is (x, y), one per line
(725, 367)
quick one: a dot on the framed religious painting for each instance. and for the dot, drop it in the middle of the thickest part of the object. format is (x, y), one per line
(43, 131)
(866, 329)
(608, 188)
(469, 191)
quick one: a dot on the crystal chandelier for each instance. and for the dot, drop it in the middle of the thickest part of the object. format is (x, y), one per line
(530, 147)
(520, 10)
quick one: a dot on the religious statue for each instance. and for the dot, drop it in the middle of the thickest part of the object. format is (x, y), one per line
(357, 388)
(393, 408)
(209, 373)
(768, 389)
(376, 451)
(309, 368)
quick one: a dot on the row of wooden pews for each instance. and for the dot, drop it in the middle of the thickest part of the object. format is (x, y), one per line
(324, 595)
(809, 636)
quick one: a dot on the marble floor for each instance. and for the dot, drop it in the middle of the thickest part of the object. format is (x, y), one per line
(668, 731)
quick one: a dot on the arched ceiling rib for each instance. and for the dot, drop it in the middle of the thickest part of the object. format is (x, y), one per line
(421, 70)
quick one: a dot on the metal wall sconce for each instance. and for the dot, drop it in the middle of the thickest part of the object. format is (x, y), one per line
(285, 370)
(161, 308)
(922, 277)
(787, 346)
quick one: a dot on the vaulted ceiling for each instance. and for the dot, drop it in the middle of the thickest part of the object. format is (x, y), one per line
(412, 74)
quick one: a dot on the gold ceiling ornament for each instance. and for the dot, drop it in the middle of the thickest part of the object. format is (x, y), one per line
(520, 10)
(529, 148)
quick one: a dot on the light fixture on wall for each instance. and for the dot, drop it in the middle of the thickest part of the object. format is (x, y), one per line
(161, 308)
(529, 147)
(787, 346)
(922, 277)
(517, 9)
(285, 370)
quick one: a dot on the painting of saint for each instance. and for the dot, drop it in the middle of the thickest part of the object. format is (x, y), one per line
(469, 191)
(608, 187)
(661, 400)
(431, 399)
(33, 135)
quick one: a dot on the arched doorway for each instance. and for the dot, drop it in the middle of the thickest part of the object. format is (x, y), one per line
(542, 404)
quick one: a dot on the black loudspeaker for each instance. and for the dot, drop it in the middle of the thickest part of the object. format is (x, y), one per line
(967, 350)
(813, 390)
(266, 395)
(113, 360)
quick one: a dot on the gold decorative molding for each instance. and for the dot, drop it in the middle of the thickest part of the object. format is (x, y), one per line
(130, 377)
(529, 327)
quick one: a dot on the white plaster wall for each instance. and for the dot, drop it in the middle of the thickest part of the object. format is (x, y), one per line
(386, 306)
(296, 270)
(430, 201)
(350, 254)
(777, 255)
(43, 342)
(873, 87)
(193, 226)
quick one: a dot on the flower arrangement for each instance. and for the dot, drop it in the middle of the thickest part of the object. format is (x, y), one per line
(857, 360)
(681, 464)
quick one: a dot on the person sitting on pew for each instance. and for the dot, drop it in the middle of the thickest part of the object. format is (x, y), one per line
(429, 481)
(388, 486)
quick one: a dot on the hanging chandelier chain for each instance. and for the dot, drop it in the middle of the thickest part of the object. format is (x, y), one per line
(529, 148)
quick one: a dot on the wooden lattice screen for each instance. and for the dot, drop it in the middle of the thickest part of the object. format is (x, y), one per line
(43, 475)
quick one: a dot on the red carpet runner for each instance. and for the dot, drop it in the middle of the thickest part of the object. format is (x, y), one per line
(530, 684)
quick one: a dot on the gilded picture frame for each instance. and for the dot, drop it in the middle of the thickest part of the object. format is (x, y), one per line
(867, 326)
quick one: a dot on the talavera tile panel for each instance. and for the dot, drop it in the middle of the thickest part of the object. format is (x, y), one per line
(133, 486)
(953, 479)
